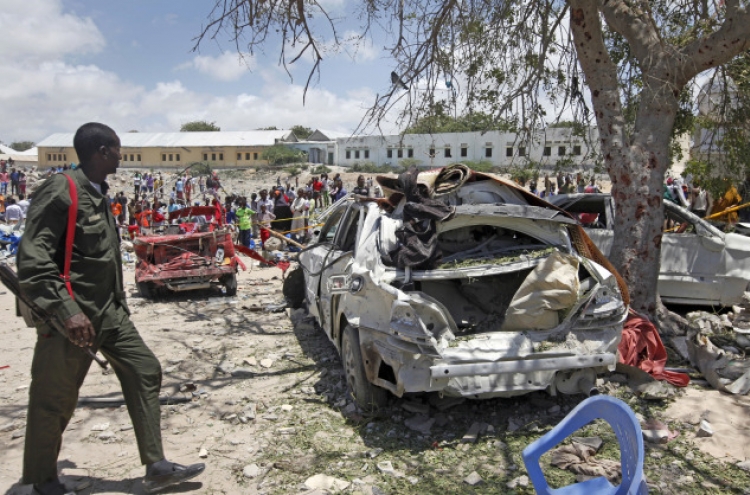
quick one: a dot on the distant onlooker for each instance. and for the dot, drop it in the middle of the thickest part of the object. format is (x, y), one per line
(23, 203)
(4, 180)
(13, 213)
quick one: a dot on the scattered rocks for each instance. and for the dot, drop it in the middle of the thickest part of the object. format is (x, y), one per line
(475, 430)
(416, 407)
(251, 471)
(203, 453)
(473, 479)
(420, 423)
(521, 481)
(324, 482)
(100, 427)
(266, 363)
(705, 429)
(386, 467)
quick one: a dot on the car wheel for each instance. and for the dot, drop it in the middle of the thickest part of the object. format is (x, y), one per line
(145, 290)
(370, 398)
(230, 285)
(294, 288)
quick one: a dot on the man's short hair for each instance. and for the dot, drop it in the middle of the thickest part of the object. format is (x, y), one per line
(89, 137)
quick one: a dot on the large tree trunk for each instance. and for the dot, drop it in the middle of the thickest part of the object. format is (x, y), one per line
(636, 163)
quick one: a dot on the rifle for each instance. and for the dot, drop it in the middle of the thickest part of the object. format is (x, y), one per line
(9, 279)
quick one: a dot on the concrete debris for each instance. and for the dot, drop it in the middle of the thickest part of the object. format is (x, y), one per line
(251, 471)
(475, 430)
(100, 427)
(705, 429)
(203, 453)
(18, 434)
(420, 423)
(416, 407)
(266, 363)
(386, 467)
(473, 479)
(521, 481)
(251, 361)
(744, 465)
(325, 482)
(10, 427)
(107, 436)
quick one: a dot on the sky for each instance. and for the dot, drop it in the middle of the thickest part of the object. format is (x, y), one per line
(131, 65)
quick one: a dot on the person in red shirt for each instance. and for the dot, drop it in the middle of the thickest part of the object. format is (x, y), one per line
(317, 186)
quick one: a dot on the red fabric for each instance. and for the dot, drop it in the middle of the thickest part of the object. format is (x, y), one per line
(264, 235)
(70, 234)
(642, 347)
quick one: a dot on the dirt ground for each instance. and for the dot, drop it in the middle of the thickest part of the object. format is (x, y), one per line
(260, 398)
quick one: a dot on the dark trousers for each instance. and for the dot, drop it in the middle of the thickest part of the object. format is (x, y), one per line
(245, 236)
(57, 373)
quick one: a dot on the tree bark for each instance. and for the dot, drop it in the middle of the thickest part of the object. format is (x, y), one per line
(637, 161)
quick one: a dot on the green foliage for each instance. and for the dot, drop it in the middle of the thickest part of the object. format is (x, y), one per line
(279, 154)
(200, 168)
(301, 132)
(199, 126)
(438, 120)
(320, 169)
(271, 128)
(704, 172)
(524, 174)
(480, 166)
(371, 168)
(407, 163)
(22, 145)
(294, 170)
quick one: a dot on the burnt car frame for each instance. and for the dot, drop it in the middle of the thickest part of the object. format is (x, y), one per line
(474, 326)
(192, 255)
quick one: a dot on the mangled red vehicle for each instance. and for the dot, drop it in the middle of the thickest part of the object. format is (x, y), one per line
(195, 254)
(464, 284)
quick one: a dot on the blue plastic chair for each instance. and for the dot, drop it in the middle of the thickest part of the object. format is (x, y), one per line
(628, 431)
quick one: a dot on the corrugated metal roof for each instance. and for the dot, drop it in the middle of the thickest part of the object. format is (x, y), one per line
(181, 139)
(6, 150)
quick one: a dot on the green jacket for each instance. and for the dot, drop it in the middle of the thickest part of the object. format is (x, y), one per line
(96, 265)
(244, 218)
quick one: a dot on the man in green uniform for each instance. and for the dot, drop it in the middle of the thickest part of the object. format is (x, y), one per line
(97, 316)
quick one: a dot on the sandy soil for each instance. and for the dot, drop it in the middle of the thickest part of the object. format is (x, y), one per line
(263, 396)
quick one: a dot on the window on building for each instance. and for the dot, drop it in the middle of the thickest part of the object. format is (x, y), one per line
(389, 153)
(131, 158)
(49, 157)
(547, 151)
(509, 151)
(367, 154)
(164, 157)
(464, 151)
(348, 154)
(255, 156)
(139, 157)
(247, 156)
(561, 151)
(205, 157)
(171, 157)
(239, 157)
(400, 153)
(577, 149)
(410, 152)
(488, 152)
(522, 151)
(213, 157)
(432, 152)
(177, 157)
(65, 157)
(356, 154)
(221, 157)
(447, 152)
(124, 158)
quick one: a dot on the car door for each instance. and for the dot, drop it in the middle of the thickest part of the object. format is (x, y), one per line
(314, 259)
(336, 274)
(692, 261)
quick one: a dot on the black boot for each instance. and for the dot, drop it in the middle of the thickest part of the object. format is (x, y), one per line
(163, 474)
(52, 487)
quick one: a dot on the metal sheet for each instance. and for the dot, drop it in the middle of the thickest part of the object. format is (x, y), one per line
(537, 363)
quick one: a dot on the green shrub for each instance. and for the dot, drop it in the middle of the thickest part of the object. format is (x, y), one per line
(320, 169)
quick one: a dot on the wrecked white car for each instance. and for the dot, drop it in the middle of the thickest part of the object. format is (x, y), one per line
(700, 264)
(494, 299)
